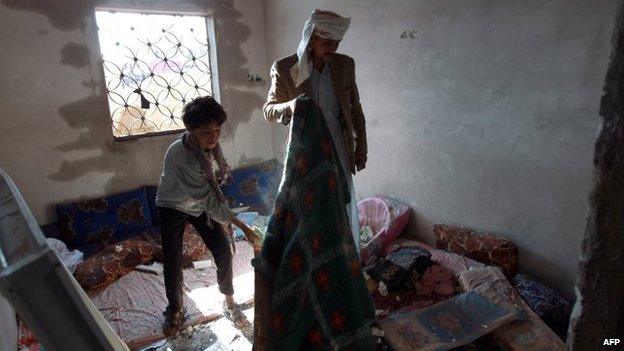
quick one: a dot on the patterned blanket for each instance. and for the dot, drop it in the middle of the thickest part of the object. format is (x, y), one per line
(310, 292)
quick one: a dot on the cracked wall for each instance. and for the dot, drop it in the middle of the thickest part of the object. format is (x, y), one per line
(479, 113)
(56, 140)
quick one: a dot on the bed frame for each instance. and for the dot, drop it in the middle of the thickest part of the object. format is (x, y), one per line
(40, 288)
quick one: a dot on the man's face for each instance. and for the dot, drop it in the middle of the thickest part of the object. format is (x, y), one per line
(207, 135)
(322, 48)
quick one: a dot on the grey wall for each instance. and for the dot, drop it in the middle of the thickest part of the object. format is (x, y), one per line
(486, 118)
(55, 135)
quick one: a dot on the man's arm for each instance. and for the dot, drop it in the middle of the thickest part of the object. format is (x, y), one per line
(277, 107)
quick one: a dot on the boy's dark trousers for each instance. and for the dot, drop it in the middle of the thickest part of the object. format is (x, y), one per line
(172, 224)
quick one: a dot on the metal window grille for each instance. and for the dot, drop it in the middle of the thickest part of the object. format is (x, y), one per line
(153, 65)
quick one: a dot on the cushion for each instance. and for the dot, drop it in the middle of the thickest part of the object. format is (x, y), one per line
(551, 307)
(484, 247)
(105, 220)
(113, 262)
(254, 186)
(387, 218)
(193, 247)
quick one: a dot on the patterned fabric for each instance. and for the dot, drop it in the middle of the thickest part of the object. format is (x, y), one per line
(313, 294)
(484, 247)
(101, 269)
(254, 186)
(551, 307)
(528, 334)
(435, 285)
(105, 220)
(26, 339)
(193, 247)
(454, 322)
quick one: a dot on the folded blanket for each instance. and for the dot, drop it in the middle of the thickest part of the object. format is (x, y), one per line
(310, 292)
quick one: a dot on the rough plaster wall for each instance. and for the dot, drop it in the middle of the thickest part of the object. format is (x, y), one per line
(55, 139)
(486, 118)
(599, 310)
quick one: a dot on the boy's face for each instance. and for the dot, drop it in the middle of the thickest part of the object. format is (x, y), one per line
(207, 135)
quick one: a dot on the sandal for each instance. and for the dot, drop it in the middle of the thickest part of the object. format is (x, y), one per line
(173, 321)
(234, 314)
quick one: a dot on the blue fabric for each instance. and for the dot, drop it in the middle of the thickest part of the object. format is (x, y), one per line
(254, 186)
(103, 220)
(551, 307)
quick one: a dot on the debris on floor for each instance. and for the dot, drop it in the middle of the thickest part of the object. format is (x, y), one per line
(219, 335)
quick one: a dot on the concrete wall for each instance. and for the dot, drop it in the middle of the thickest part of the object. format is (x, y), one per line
(485, 118)
(55, 137)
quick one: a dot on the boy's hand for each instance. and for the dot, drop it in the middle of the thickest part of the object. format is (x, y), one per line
(252, 237)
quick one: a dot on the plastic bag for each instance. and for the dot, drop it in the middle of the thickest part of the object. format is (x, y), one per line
(71, 259)
(387, 218)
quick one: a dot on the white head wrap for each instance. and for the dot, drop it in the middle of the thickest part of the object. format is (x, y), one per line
(325, 24)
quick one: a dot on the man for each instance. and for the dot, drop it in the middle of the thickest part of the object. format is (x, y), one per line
(316, 70)
(189, 191)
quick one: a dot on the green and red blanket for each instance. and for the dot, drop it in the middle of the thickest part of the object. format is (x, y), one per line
(310, 292)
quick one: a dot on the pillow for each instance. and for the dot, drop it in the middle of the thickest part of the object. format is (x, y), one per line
(193, 247)
(387, 219)
(551, 307)
(254, 186)
(113, 262)
(483, 247)
(105, 220)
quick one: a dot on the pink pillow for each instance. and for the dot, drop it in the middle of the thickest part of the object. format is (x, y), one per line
(387, 218)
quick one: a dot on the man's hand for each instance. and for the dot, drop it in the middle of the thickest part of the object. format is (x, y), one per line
(292, 106)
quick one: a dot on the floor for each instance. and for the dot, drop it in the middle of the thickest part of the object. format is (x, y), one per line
(219, 335)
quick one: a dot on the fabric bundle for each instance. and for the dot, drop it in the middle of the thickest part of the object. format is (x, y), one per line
(310, 291)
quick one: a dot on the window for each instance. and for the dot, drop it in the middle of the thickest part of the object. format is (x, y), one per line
(153, 65)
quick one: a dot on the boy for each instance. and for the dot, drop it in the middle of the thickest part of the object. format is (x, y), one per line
(189, 191)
